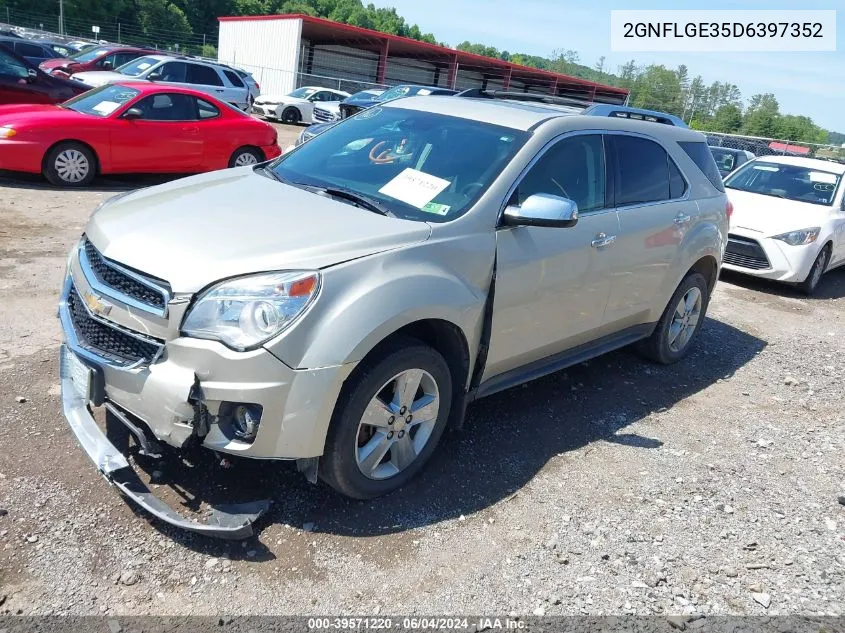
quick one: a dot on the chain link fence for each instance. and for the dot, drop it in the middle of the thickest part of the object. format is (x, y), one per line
(761, 146)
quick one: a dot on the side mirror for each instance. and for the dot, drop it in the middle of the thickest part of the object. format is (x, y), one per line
(542, 209)
(31, 75)
(154, 76)
(132, 114)
(107, 65)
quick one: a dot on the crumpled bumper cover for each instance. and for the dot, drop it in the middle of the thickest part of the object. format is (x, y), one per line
(233, 522)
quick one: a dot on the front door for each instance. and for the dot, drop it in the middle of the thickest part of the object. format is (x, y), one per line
(165, 139)
(552, 284)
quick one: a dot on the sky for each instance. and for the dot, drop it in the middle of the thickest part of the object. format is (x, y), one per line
(806, 83)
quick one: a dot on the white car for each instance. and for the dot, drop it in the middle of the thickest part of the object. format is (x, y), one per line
(788, 222)
(218, 81)
(298, 106)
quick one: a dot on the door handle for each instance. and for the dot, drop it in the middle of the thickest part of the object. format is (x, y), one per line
(219, 89)
(191, 129)
(681, 219)
(601, 240)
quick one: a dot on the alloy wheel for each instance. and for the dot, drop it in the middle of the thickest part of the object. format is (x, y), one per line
(684, 320)
(397, 424)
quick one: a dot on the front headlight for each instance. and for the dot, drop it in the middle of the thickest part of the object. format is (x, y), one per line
(245, 312)
(799, 238)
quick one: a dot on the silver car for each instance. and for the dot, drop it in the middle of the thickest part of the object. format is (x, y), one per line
(344, 304)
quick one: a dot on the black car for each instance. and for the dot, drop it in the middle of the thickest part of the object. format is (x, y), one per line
(363, 100)
(22, 82)
(728, 158)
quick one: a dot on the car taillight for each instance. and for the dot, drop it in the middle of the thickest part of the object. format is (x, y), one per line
(258, 86)
(729, 209)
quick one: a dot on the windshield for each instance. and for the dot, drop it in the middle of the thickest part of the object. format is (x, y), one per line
(418, 165)
(792, 182)
(303, 93)
(101, 101)
(89, 55)
(137, 66)
(724, 159)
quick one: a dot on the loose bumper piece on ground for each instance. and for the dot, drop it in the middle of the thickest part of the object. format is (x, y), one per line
(233, 522)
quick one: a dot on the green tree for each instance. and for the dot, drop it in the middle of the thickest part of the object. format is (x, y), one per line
(160, 18)
(727, 119)
(761, 116)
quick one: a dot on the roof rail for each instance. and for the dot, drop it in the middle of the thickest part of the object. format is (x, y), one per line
(478, 93)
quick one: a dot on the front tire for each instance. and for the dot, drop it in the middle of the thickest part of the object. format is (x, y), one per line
(244, 156)
(809, 285)
(291, 116)
(70, 164)
(679, 323)
(388, 421)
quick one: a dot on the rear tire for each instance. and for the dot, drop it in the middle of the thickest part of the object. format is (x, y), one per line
(811, 283)
(244, 156)
(679, 323)
(374, 445)
(70, 164)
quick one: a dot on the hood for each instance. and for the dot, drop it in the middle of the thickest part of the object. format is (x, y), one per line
(199, 230)
(770, 215)
(23, 115)
(98, 78)
(280, 99)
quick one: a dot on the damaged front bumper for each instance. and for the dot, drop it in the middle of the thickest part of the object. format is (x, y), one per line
(232, 522)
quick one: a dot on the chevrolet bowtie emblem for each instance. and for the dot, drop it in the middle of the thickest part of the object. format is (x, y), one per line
(96, 305)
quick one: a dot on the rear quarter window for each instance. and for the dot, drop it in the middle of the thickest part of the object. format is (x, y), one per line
(701, 155)
(233, 78)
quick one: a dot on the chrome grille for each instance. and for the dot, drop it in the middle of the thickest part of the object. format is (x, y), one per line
(323, 116)
(745, 253)
(122, 284)
(108, 340)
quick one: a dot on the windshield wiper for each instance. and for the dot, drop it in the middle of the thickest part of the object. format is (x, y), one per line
(371, 204)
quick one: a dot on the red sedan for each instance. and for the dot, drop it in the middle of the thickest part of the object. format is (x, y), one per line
(131, 128)
(97, 58)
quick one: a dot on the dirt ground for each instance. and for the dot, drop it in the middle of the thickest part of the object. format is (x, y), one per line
(618, 486)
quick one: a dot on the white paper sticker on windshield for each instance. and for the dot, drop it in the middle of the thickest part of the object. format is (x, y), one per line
(144, 65)
(106, 107)
(424, 91)
(414, 187)
(766, 168)
(823, 176)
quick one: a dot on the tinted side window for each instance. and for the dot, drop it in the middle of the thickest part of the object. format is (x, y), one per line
(168, 107)
(203, 75)
(29, 50)
(10, 67)
(642, 173)
(233, 78)
(700, 154)
(573, 168)
(172, 71)
(207, 110)
(123, 58)
(677, 184)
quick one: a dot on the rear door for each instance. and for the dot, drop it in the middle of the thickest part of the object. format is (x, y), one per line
(167, 138)
(33, 53)
(552, 284)
(655, 213)
(206, 79)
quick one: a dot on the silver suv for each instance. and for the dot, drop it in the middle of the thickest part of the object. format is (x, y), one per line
(342, 305)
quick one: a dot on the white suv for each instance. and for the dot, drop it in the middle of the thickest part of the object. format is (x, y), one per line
(218, 81)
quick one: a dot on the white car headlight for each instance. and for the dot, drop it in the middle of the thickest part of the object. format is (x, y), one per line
(799, 238)
(245, 312)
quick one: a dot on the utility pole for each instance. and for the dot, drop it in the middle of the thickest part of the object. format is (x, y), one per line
(61, 17)
(118, 33)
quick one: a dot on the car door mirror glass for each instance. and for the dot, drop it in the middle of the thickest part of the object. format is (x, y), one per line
(542, 209)
(107, 65)
(154, 76)
(133, 113)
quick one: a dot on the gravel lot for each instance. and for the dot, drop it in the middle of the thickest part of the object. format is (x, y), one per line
(615, 487)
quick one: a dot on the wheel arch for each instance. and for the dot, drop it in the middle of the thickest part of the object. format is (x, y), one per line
(708, 267)
(97, 158)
